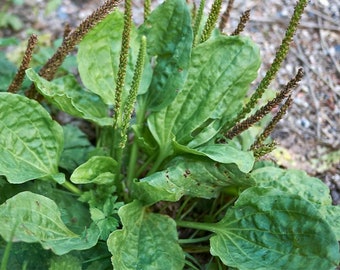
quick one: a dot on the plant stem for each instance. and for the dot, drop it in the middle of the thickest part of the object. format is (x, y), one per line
(5, 256)
(195, 225)
(69, 186)
(160, 158)
(146, 164)
(132, 163)
(194, 240)
(140, 115)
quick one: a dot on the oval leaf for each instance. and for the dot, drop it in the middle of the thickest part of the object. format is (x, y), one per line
(30, 141)
(98, 169)
(68, 96)
(35, 218)
(220, 73)
(295, 182)
(147, 241)
(169, 35)
(300, 183)
(76, 148)
(98, 58)
(270, 229)
(222, 153)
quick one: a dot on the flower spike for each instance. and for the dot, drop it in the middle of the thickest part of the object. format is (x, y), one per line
(211, 21)
(198, 19)
(131, 99)
(123, 61)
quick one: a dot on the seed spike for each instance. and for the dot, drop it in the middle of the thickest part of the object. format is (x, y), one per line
(147, 8)
(272, 124)
(279, 57)
(242, 24)
(226, 15)
(70, 41)
(20, 75)
(264, 110)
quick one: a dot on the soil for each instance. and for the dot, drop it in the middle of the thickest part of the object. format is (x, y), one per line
(308, 137)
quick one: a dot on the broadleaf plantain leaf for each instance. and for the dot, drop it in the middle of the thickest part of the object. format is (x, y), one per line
(98, 58)
(194, 177)
(169, 34)
(147, 241)
(68, 96)
(271, 229)
(30, 141)
(36, 218)
(220, 73)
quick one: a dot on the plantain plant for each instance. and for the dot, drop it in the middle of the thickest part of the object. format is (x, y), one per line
(174, 176)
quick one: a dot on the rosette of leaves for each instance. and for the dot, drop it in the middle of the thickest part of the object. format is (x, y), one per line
(171, 97)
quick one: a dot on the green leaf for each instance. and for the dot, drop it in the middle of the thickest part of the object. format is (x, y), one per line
(198, 178)
(270, 229)
(169, 35)
(7, 41)
(65, 262)
(74, 214)
(30, 141)
(299, 183)
(222, 153)
(106, 224)
(13, 21)
(295, 182)
(227, 154)
(7, 71)
(76, 148)
(33, 217)
(98, 58)
(147, 241)
(98, 169)
(219, 76)
(36, 218)
(68, 96)
(331, 213)
(26, 255)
